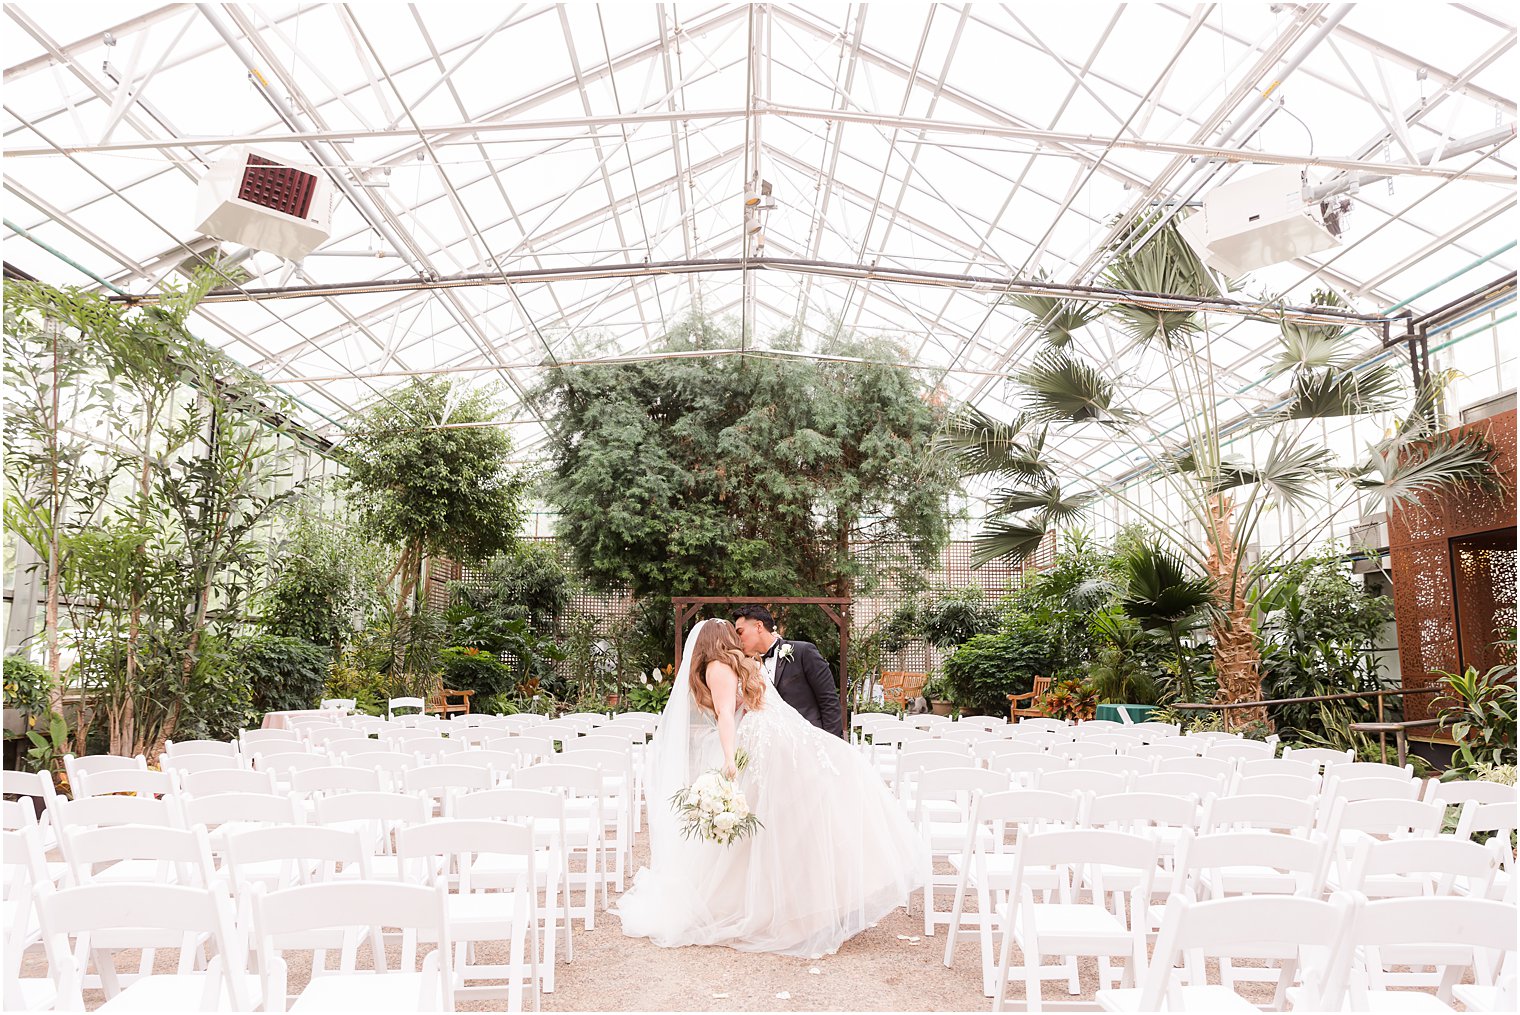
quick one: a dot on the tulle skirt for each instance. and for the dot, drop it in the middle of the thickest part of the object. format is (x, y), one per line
(835, 853)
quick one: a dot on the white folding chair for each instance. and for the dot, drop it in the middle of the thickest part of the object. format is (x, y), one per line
(1067, 926)
(1093, 727)
(316, 782)
(248, 738)
(377, 817)
(1044, 724)
(1401, 868)
(942, 814)
(1463, 790)
(74, 816)
(404, 702)
(544, 812)
(1313, 931)
(1221, 865)
(1240, 750)
(1118, 765)
(457, 850)
(1155, 753)
(1324, 757)
(1027, 769)
(1374, 770)
(1260, 812)
(1079, 751)
(1151, 730)
(1191, 744)
(140, 782)
(1252, 767)
(1498, 820)
(225, 814)
(582, 789)
(616, 767)
(180, 748)
(1078, 780)
(105, 918)
(986, 863)
(1300, 787)
(985, 753)
(1178, 784)
(441, 783)
(326, 917)
(226, 780)
(1427, 930)
(189, 764)
(140, 854)
(26, 873)
(1213, 768)
(91, 764)
(1352, 821)
(283, 856)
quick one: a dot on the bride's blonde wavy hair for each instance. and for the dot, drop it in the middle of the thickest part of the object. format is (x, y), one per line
(719, 642)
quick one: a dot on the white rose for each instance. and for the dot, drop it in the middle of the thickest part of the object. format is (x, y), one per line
(706, 783)
(725, 821)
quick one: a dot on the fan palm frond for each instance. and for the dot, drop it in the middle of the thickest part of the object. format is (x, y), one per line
(1304, 347)
(1402, 470)
(1160, 590)
(1063, 388)
(981, 445)
(1167, 265)
(1291, 475)
(1051, 506)
(1058, 318)
(1327, 393)
(1010, 541)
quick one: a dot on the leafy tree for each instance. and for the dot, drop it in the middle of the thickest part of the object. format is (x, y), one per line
(428, 472)
(744, 475)
(323, 583)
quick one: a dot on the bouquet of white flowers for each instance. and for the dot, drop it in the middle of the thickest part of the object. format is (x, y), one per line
(714, 808)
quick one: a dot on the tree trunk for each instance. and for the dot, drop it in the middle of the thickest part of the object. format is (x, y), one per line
(1237, 660)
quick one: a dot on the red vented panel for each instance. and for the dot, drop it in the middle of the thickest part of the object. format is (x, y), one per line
(272, 185)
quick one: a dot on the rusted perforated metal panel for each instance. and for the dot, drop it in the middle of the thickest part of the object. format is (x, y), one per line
(1453, 563)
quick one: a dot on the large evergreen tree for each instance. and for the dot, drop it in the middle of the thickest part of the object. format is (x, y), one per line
(744, 475)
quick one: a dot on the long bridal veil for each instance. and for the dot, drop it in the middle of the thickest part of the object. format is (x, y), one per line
(668, 765)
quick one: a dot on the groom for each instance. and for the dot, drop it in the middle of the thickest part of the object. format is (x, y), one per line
(795, 668)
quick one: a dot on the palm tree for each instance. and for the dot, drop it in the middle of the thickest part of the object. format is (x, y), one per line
(1225, 499)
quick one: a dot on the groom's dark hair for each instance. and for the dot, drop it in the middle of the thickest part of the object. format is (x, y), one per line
(754, 611)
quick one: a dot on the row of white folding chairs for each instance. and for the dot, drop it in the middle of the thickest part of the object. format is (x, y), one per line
(451, 765)
(1237, 857)
(93, 921)
(942, 800)
(378, 814)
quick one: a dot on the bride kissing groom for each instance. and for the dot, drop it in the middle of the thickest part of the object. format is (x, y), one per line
(834, 851)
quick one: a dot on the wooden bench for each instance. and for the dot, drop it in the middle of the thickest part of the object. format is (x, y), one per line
(898, 686)
(447, 702)
(1036, 697)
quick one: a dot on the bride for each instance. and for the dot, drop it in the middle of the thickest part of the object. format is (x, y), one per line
(834, 853)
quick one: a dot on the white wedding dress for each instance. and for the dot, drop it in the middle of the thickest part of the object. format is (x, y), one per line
(835, 852)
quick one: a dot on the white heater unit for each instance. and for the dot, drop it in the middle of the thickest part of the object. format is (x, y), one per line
(252, 198)
(1263, 220)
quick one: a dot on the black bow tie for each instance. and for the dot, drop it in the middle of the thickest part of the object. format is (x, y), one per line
(772, 650)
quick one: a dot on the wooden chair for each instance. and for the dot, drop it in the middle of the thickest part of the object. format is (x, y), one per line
(898, 686)
(1036, 697)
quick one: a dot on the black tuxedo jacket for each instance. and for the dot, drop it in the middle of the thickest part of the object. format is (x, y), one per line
(806, 682)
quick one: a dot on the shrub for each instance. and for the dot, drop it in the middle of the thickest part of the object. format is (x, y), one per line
(1480, 710)
(26, 688)
(470, 669)
(1072, 700)
(282, 673)
(987, 669)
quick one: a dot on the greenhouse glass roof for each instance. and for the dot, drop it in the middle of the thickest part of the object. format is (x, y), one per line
(585, 169)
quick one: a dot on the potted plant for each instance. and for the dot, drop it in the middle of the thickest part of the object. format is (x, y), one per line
(937, 693)
(1073, 700)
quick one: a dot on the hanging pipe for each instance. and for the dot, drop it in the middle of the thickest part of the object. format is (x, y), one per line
(66, 259)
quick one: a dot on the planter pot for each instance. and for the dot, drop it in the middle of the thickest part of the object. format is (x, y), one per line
(612, 699)
(942, 707)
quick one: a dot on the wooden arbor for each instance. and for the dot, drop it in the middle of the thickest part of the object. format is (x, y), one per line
(837, 608)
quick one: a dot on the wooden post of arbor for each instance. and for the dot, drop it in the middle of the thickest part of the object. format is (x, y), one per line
(836, 607)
